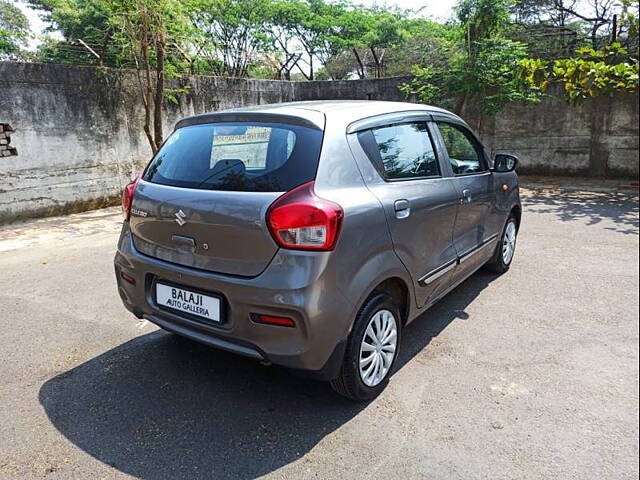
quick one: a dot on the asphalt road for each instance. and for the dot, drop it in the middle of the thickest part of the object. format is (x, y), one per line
(530, 375)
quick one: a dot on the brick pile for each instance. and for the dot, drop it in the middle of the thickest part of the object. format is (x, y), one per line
(5, 141)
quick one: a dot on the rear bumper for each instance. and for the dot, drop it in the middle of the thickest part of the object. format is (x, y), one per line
(296, 285)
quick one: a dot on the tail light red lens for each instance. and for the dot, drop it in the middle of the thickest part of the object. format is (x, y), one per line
(127, 196)
(301, 220)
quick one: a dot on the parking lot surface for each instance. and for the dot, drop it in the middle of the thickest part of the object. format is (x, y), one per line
(533, 374)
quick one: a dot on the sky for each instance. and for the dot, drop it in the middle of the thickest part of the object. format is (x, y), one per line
(437, 9)
(37, 25)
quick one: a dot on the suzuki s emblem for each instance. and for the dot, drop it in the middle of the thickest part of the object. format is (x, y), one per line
(180, 217)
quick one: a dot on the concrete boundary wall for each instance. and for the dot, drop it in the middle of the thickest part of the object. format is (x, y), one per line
(597, 138)
(79, 139)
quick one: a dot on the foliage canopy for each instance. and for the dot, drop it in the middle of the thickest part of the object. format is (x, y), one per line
(491, 52)
(591, 73)
(14, 31)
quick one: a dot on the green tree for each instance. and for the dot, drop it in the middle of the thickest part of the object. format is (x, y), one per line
(145, 31)
(483, 22)
(340, 66)
(494, 78)
(628, 27)
(88, 20)
(315, 29)
(484, 67)
(369, 32)
(229, 33)
(14, 31)
(283, 24)
(426, 43)
(311, 27)
(150, 36)
(591, 73)
(482, 19)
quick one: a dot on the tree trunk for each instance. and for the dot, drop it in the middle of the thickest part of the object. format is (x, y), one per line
(159, 95)
(376, 61)
(304, 74)
(460, 104)
(148, 93)
(361, 71)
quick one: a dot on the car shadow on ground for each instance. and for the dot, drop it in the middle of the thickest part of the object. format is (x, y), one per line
(159, 406)
(621, 208)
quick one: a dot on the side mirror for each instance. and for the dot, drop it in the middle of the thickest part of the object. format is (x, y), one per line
(504, 163)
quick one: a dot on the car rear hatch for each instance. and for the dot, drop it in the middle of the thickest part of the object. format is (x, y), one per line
(203, 198)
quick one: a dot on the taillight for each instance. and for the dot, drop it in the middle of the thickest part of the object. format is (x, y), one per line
(127, 196)
(301, 220)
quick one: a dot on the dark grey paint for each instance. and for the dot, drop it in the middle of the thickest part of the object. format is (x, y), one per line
(430, 248)
(231, 224)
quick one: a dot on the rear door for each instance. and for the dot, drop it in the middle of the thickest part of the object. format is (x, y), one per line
(203, 198)
(419, 204)
(473, 183)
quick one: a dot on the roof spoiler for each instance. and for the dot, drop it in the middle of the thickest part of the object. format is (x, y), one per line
(264, 117)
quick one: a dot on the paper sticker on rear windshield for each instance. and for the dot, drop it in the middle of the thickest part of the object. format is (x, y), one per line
(251, 145)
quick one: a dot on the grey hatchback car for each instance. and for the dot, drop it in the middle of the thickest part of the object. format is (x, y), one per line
(309, 234)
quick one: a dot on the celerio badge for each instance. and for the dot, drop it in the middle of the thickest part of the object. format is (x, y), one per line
(139, 213)
(180, 217)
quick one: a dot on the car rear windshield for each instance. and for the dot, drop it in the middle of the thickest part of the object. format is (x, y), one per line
(246, 157)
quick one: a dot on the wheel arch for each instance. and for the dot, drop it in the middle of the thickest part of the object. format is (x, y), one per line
(399, 290)
(516, 211)
(393, 284)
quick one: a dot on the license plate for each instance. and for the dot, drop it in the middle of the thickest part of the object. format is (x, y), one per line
(187, 301)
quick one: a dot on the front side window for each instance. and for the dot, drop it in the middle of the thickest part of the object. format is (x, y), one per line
(464, 156)
(248, 157)
(402, 151)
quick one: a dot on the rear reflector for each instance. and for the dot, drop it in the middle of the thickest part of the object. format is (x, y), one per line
(271, 320)
(128, 278)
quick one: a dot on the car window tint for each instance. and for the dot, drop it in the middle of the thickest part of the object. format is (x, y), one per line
(463, 154)
(239, 156)
(406, 151)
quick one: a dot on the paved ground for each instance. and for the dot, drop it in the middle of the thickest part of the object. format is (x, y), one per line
(530, 375)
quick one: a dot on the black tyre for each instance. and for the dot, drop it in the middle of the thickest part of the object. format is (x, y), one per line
(505, 250)
(371, 350)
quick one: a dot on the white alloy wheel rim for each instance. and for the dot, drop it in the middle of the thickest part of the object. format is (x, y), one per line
(378, 348)
(509, 242)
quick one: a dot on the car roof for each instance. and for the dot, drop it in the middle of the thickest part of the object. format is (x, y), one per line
(347, 111)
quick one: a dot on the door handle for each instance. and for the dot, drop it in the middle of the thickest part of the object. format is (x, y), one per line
(466, 196)
(402, 208)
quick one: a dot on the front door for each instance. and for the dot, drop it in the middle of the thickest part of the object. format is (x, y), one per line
(472, 180)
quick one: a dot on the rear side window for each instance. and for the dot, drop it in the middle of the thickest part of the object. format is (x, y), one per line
(401, 151)
(246, 157)
(465, 156)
